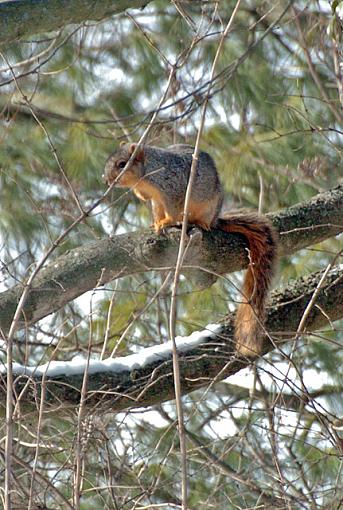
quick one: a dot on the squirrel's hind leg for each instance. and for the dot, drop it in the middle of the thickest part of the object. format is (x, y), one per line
(203, 214)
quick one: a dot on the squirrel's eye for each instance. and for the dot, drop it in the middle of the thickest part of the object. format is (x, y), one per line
(121, 164)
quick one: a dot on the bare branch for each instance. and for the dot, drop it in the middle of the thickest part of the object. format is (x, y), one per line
(81, 269)
(24, 18)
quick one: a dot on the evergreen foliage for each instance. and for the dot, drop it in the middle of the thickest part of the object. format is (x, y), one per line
(273, 127)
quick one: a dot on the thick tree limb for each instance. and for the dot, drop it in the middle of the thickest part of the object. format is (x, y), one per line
(208, 362)
(97, 263)
(24, 18)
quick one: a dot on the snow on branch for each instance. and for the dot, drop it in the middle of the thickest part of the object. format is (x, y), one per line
(140, 361)
(207, 356)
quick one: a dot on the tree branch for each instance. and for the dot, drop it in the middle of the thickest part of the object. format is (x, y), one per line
(24, 18)
(146, 379)
(97, 263)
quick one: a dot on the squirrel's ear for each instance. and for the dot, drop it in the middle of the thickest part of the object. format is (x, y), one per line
(140, 154)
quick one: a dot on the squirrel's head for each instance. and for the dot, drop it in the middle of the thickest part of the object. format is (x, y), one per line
(117, 170)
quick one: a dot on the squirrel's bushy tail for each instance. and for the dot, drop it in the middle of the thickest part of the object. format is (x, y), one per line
(262, 247)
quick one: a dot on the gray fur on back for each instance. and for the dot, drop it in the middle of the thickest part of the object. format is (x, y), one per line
(167, 165)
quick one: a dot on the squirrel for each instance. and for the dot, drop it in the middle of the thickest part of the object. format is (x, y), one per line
(161, 176)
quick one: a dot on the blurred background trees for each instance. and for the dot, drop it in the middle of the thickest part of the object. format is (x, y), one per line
(274, 128)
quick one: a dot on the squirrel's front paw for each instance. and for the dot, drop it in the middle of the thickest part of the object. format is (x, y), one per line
(162, 225)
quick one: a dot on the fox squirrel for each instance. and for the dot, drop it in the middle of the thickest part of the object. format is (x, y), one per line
(161, 175)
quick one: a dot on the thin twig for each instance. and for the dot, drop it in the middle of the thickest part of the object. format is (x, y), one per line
(313, 70)
(77, 486)
(141, 312)
(34, 57)
(182, 245)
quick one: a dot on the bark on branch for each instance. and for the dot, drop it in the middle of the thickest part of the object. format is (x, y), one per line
(208, 362)
(24, 18)
(97, 263)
